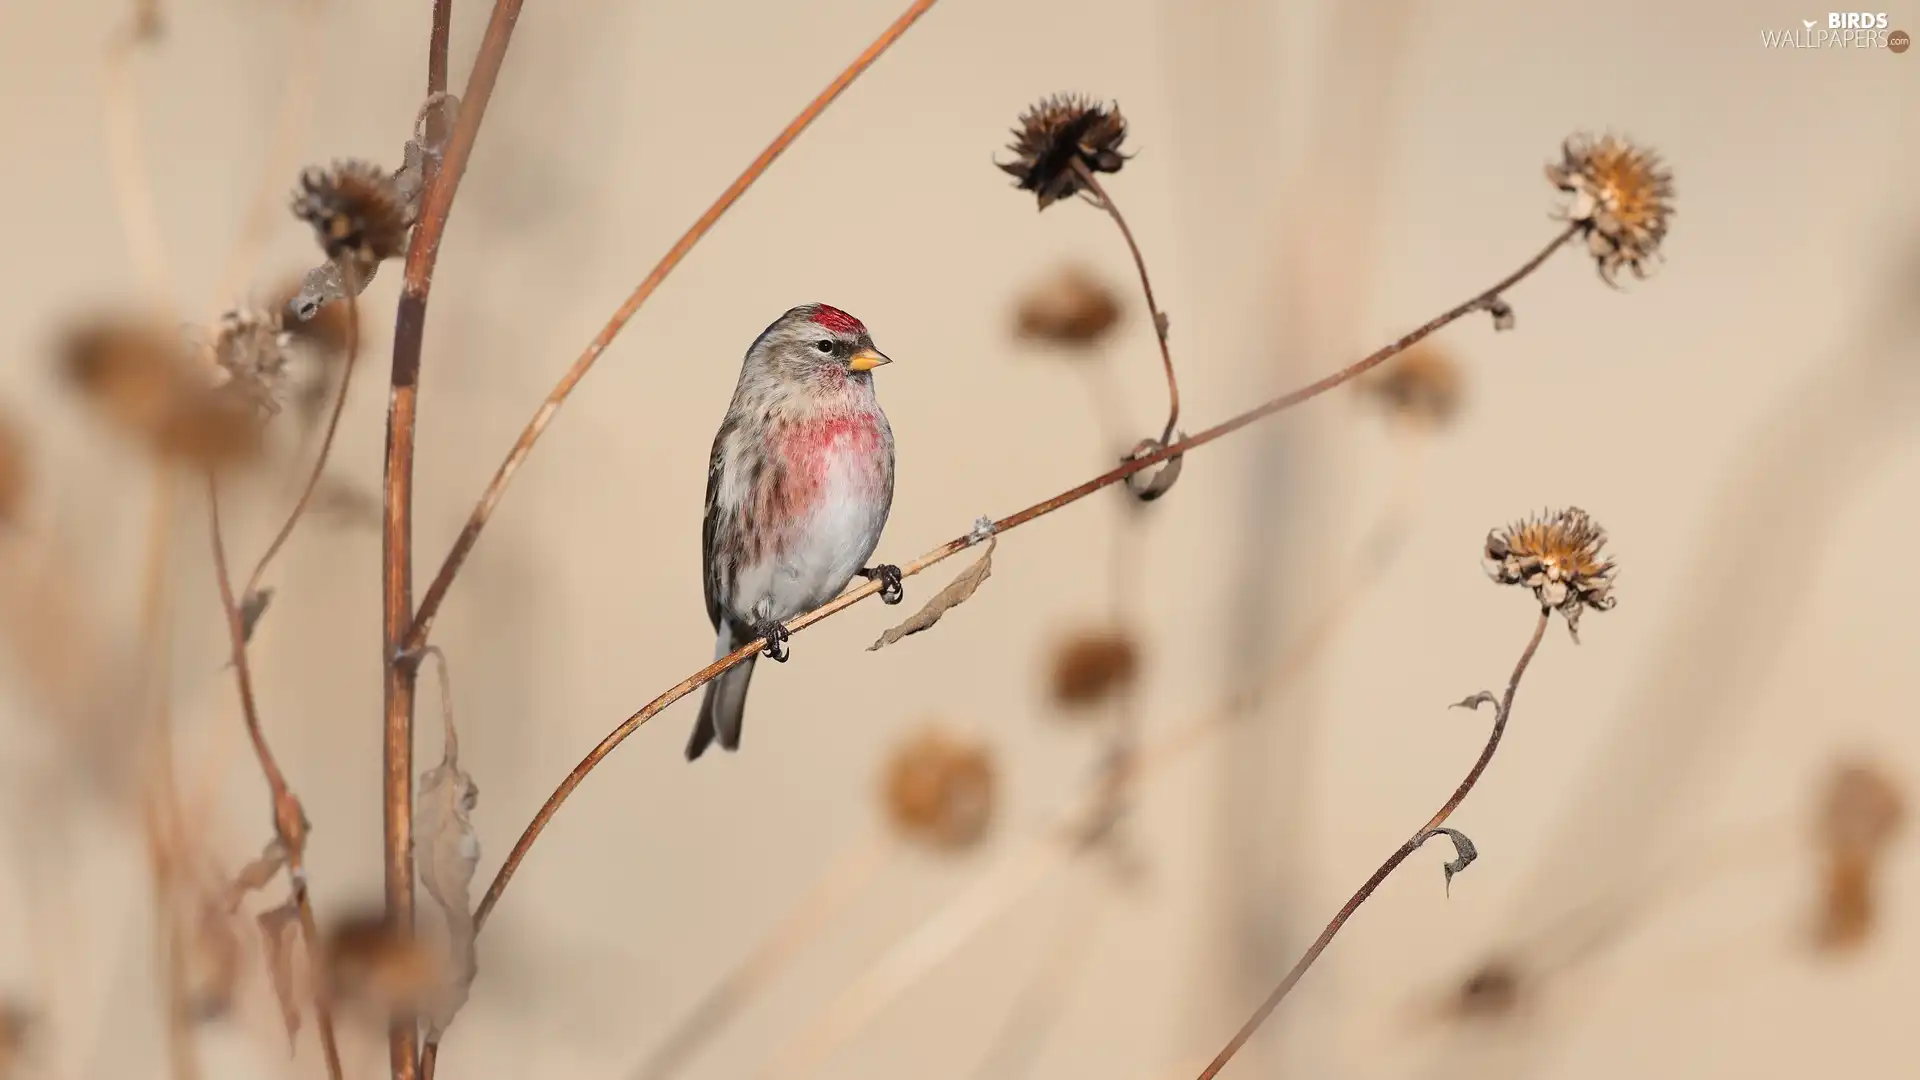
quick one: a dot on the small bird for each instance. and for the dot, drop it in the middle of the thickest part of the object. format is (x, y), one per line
(798, 488)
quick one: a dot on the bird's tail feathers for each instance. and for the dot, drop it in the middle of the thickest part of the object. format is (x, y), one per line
(724, 704)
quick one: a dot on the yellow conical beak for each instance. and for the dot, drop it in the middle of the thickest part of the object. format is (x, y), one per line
(867, 360)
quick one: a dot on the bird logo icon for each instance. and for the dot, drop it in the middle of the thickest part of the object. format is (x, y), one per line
(1808, 23)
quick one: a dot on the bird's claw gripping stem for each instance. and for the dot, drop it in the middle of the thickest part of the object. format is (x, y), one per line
(776, 635)
(891, 591)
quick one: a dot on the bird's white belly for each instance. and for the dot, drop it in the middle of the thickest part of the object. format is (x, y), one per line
(833, 543)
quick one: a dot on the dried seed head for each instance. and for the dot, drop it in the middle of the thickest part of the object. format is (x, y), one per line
(1621, 196)
(1557, 556)
(939, 790)
(1060, 136)
(1069, 307)
(13, 471)
(146, 381)
(359, 214)
(1861, 810)
(251, 348)
(1090, 666)
(371, 968)
(1422, 386)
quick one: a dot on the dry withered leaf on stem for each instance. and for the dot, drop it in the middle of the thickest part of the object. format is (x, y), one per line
(447, 851)
(252, 607)
(956, 593)
(254, 876)
(213, 960)
(938, 789)
(278, 932)
(1069, 307)
(1093, 665)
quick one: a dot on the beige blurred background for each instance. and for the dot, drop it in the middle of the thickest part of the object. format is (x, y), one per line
(1311, 179)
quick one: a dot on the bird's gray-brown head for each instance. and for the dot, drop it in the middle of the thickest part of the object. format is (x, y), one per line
(815, 341)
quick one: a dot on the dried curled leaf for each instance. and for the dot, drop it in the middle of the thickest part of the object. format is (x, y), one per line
(276, 939)
(447, 851)
(956, 593)
(1474, 701)
(1156, 480)
(1464, 853)
(212, 961)
(254, 876)
(252, 606)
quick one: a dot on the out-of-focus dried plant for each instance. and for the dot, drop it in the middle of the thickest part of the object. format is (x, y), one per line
(144, 379)
(447, 853)
(14, 486)
(1620, 196)
(344, 503)
(1092, 665)
(1422, 387)
(1861, 812)
(213, 955)
(957, 592)
(377, 973)
(251, 348)
(16, 1031)
(1558, 556)
(1070, 307)
(1059, 140)
(938, 789)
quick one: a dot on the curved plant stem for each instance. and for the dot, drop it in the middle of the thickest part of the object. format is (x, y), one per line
(490, 498)
(961, 543)
(289, 820)
(1146, 286)
(320, 459)
(1413, 844)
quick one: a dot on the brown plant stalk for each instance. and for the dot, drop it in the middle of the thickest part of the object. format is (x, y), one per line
(320, 459)
(490, 498)
(402, 671)
(1105, 202)
(1427, 832)
(1479, 302)
(289, 819)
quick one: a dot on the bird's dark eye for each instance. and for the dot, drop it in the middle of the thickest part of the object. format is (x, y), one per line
(823, 345)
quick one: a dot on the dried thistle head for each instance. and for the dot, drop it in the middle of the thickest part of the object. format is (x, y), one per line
(358, 212)
(1093, 665)
(1861, 810)
(939, 789)
(371, 968)
(13, 471)
(143, 377)
(1421, 386)
(1060, 136)
(1620, 195)
(1558, 556)
(1068, 307)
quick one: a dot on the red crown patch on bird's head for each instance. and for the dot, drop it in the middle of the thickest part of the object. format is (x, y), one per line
(837, 321)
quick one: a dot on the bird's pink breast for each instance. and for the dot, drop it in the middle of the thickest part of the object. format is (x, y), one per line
(812, 448)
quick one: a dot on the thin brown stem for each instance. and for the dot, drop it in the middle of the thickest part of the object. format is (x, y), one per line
(490, 498)
(423, 251)
(1413, 844)
(289, 820)
(320, 459)
(961, 543)
(1146, 286)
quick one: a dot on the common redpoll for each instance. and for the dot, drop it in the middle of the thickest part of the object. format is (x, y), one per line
(798, 489)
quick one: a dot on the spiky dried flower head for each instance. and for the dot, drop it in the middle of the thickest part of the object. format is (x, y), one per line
(1070, 306)
(1423, 386)
(1558, 556)
(1621, 195)
(1093, 665)
(359, 213)
(1057, 138)
(143, 377)
(939, 789)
